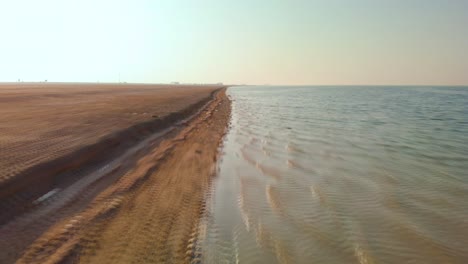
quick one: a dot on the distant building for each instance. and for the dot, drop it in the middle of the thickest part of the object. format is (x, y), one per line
(174, 82)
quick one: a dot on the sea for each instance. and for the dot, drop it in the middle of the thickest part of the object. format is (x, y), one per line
(340, 174)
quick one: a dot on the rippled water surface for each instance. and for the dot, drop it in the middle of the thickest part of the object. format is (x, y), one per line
(341, 175)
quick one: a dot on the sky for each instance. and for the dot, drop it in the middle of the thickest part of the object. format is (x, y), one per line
(329, 42)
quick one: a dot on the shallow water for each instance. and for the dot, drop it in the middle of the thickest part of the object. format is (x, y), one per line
(341, 175)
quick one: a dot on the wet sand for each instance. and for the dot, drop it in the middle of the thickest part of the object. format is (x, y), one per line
(106, 173)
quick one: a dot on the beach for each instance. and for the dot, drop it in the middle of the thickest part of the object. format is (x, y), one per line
(103, 172)
(128, 173)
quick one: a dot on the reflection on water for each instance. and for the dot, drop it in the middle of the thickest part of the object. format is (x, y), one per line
(341, 175)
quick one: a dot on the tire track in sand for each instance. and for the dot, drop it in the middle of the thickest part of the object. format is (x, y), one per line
(150, 214)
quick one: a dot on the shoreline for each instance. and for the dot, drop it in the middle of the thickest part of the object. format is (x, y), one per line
(110, 186)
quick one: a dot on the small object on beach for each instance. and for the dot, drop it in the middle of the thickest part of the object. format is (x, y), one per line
(288, 128)
(155, 116)
(198, 151)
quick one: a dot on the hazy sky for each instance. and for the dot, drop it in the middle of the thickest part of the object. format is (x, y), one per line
(256, 42)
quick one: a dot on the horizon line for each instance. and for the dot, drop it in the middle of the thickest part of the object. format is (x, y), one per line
(225, 84)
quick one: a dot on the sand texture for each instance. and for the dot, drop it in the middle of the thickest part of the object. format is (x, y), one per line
(106, 173)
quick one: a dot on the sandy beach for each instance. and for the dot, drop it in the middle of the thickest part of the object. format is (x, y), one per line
(102, 173)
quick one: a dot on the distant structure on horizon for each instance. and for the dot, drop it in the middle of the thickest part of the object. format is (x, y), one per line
(179, 83)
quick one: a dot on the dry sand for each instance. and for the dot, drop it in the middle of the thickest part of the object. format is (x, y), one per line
(107, 173)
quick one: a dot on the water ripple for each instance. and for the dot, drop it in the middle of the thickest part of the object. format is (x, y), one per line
(342, 175)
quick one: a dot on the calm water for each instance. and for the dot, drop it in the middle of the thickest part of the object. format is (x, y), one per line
(341, 175)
